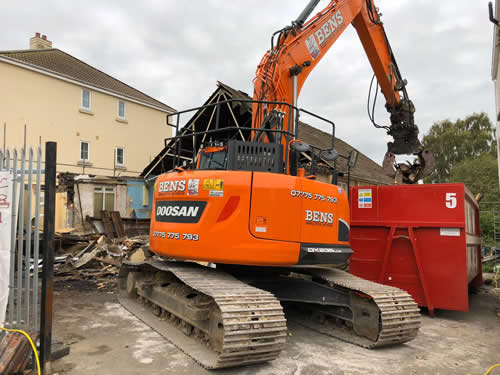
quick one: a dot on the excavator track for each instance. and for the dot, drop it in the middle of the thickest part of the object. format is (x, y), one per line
(214, 318)
(399, 315)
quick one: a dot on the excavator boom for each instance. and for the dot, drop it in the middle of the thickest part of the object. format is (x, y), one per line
(300, 47)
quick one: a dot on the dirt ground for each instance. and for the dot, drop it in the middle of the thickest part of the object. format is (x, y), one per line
(106, 339)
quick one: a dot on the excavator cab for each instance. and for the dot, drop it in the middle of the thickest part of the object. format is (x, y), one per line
(214, 156)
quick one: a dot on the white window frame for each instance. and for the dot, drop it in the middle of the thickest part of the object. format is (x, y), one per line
(102, 190)
(90, 100)
(124, 110)
(88, 152)
(116, 156)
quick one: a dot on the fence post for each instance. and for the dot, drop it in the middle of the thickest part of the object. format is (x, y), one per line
(20, 242)
(48, 253)
(36, 245)
(13, 236)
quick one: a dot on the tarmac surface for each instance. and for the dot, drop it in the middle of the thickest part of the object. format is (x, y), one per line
(104, 338)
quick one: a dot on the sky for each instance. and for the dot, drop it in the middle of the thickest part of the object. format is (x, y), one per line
(176, 51)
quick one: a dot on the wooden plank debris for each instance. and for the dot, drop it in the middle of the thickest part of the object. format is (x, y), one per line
(117, 223)
(100, 261)
(108, 224)
(86, 258)
(490, 258)
(15, 352)
(88, 248)
(109, 261)
(91, 224)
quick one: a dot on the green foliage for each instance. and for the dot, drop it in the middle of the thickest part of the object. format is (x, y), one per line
(480, 175)
(454, 142)
(487, 228)
(489, 267)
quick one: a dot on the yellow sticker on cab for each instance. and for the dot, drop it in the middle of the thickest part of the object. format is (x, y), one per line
(213, 184)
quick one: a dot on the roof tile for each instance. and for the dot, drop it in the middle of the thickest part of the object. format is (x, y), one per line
(63, 64)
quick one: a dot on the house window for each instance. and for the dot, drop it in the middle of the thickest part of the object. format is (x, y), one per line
(86, 99)
(104, 200)
(84, 151)
(120, 156)
(121, 109)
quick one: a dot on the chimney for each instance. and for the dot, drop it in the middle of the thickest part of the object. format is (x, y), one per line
(38, 42)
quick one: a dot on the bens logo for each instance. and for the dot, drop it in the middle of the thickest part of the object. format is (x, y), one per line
(329, 27)
(172, 186)
(318, 217)
(179, 211)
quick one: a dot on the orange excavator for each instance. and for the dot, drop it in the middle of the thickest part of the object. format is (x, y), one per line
(240, 231)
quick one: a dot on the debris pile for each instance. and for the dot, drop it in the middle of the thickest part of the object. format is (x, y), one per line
(99, 260)
(97, 256)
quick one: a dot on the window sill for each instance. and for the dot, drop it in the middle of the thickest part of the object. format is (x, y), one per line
(122, 120)
(84, 163)
(120, 167)
(86, 111)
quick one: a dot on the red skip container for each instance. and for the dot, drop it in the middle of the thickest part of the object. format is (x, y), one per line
(424, 239)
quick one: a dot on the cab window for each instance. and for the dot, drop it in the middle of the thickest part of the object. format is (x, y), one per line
(213, 160)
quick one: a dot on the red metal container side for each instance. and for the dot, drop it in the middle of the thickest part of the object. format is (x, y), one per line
(424, 239)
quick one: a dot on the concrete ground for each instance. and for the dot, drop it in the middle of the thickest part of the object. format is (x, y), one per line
(106, 339)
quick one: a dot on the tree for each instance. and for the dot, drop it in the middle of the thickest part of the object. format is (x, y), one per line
(454, 142)
(480, 175)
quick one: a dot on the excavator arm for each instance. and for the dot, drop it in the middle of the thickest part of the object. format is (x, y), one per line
(297, 49)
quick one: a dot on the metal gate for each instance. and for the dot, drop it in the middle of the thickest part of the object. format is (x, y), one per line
(24, 169)
(490, 212)
(30, 305)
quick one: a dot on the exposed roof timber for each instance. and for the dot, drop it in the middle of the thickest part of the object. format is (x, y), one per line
(209, 122)
(200, 112)
(366, 170)
(234, 118)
